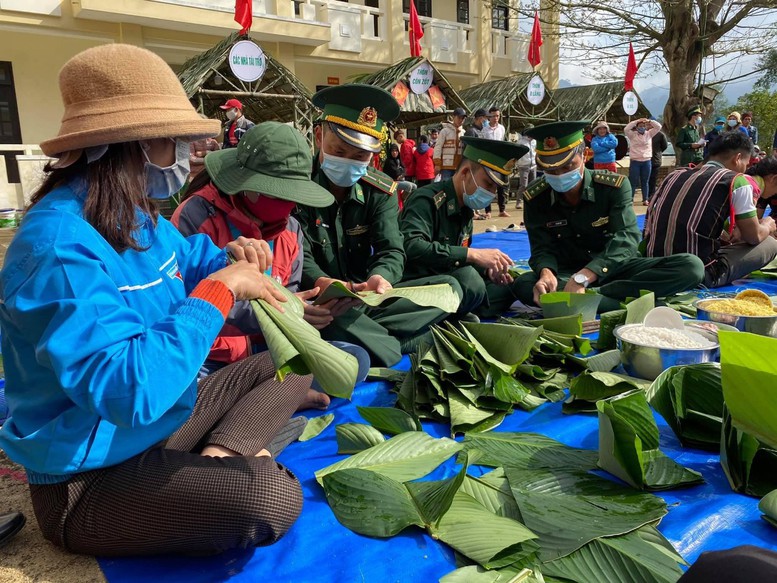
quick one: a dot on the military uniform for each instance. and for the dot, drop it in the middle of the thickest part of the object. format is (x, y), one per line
(686, 137)
(438, 230)
(359, 237)
(600, 233)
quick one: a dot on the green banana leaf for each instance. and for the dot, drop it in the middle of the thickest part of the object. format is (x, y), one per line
(602, 362)
(632, 557)
(560, 304)
(407, 456)
(434, 498)
(638, 308)
(768, 505)
(296, 346)
(589, 387)
(750, 383)
(571, 325)
(356, 437)
(684, 302)
(389, 420)
(477, 574)
(490, 540)
(607, 323)
(502, 345)
(386, 374)
(493, 492)
(439, 296)
(315, 426)
(568, 509)
(629, 446)
(750, 466)
(690, 398)
(527, 450)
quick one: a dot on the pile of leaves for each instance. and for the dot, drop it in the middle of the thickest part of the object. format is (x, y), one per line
(540, 515)
(472, 375)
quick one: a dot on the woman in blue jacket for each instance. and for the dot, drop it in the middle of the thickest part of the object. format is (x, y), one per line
(603, 143)
(107, 314)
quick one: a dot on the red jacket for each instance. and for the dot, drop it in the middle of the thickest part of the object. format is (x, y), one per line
(210, 213)
(424, 164)
(406, 155)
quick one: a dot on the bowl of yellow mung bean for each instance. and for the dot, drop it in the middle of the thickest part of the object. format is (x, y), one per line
(749, 311)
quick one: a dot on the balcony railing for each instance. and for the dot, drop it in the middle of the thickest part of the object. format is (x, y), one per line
(444, 39)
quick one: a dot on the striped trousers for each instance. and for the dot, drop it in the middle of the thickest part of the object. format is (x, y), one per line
(169, 499)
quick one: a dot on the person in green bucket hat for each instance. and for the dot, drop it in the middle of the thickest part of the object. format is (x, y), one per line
(250, 191)
(356, 239)
(437, 226)
(583, 231)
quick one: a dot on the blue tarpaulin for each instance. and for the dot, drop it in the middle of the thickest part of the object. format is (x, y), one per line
(318, 549)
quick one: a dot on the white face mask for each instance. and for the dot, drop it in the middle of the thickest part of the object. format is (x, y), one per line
(162, 183)
(232, 114)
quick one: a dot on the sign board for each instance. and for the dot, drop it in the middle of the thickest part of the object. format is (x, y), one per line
(535, 90)
(421, 78)
(630, 103)
(333, 80)
(247, 61)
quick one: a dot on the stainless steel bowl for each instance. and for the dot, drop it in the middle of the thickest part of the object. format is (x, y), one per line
(763, 325)
(647, 362)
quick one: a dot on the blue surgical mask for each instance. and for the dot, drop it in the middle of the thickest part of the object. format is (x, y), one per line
(719, 127)
(162, 183)
(479, 199)
(564, 182)
(485, 123)
(732, 123)
(343, 172)
(698, 121)
(641, 130)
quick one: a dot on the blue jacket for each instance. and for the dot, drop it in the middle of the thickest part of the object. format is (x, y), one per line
(604, 148)
(101, 348)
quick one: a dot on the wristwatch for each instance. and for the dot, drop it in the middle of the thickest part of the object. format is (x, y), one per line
(581, 279)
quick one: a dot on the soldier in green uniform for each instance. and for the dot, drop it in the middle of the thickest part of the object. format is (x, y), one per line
(583, 231)
(356, 240)
(691, 149)
(437, 224)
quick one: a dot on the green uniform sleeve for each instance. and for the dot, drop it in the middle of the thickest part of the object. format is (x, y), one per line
(310, 269)
(543, 246)
(388, 253)
(684, 139)
(423, 252)
(625, 236)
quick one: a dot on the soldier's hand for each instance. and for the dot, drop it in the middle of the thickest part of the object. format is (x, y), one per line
(489, 259)
(769, 223)
(376, 283)
(499, 278)
(252, 250)
(317, 316)
(547, 283)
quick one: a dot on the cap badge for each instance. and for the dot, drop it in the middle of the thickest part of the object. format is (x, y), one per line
(368, 117)
(510, 165)
(550, 143)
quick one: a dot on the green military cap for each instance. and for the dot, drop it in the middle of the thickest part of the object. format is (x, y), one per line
(556, 142)
(693, 111)
(496, 156)
(357, 113)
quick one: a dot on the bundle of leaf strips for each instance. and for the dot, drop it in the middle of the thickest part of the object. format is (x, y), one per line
(541, 515)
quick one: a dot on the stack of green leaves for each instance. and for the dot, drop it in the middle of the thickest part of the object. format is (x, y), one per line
(591, 386)
(629, 448)
(297, 347)
(541, 515)
(748, 451)
(634, 313)
(690, 398)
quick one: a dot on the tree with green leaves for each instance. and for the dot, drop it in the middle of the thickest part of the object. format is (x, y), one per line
(694, 41)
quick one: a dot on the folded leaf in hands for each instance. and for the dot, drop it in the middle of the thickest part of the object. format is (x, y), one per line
(438, 296)
(560, 304)
(690, 398)
(297, 347)
(628, 445)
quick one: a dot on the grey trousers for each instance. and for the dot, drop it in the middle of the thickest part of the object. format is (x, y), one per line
(169, 499)
(735, 261)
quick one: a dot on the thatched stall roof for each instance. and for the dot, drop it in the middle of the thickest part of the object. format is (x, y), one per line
(509, 95)
(277, 96)
(602, 101)
(416, 110)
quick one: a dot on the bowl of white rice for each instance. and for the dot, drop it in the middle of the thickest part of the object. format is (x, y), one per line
(647, 351)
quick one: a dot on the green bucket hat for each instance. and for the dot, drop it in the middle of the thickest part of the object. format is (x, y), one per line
(272, 158)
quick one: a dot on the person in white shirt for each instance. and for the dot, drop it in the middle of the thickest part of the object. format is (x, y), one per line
(496, 131)
(527, 165)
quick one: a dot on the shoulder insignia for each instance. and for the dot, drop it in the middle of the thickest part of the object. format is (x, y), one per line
(608, 178)
(535, 188)
(379, 180)
(439, 198)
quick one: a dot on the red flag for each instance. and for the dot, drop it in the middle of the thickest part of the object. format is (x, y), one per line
(244, 14)
(631, 71)
(415, 31)
(536, 42)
